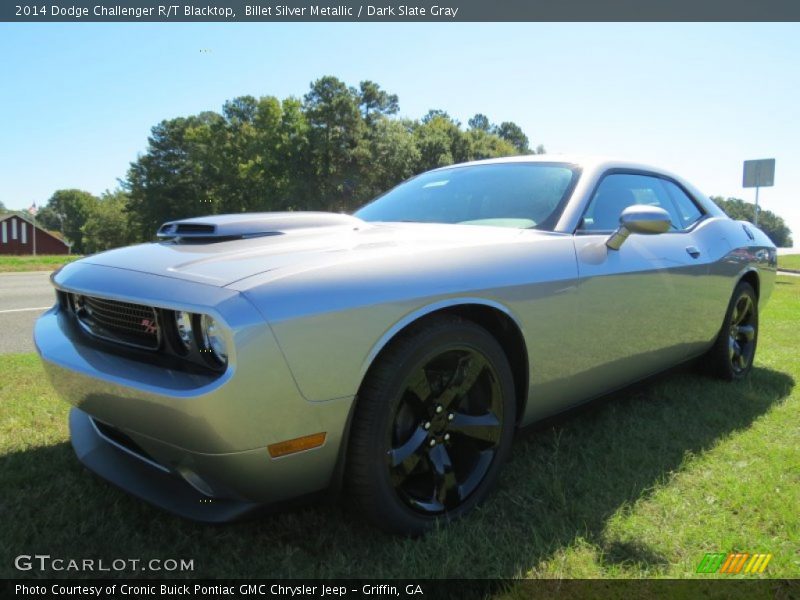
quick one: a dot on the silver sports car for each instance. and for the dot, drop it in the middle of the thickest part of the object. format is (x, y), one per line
(250, 360)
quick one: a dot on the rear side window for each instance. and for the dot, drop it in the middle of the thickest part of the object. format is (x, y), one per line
(688, 212)
(618, 191)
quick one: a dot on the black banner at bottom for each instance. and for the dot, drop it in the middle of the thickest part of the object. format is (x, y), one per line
(463, 589)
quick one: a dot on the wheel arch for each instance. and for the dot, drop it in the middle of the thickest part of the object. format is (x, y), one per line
(751, 277)
(496, 318)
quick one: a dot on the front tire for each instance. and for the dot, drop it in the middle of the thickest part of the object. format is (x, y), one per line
(731, 357)
(432, 426)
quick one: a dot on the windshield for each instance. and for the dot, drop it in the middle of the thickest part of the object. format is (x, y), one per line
(521, 195)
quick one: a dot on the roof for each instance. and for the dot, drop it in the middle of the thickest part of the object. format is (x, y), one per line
(588, 163)
(19, 214)
(593, 167)
(584, 160)
(55, 234)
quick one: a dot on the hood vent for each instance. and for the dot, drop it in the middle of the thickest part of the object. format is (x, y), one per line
(223, 228)
(200, 228)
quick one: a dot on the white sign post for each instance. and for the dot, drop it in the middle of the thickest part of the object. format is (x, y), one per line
(758, 173)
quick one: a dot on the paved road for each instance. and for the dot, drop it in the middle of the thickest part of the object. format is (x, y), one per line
(23, 297)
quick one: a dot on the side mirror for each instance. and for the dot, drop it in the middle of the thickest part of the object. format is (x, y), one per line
(639, 218)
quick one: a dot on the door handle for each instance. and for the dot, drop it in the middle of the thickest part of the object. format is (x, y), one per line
(693, 252)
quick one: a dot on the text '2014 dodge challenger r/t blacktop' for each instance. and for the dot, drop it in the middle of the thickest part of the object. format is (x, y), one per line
(248, 360)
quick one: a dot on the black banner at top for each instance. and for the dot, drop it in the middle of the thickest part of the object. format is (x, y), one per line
(394, 11)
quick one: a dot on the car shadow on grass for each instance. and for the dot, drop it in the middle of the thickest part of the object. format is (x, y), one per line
(565, 479)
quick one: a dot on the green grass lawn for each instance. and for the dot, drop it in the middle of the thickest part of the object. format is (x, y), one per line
(789, 261)
(46, 262)
(639, 484)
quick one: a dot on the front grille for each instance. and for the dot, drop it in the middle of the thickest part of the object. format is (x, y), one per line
(115, 321)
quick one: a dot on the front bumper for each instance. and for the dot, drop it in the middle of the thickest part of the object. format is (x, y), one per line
(201, 441)
(145, 480)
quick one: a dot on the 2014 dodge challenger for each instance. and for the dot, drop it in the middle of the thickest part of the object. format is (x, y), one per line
(249, 360)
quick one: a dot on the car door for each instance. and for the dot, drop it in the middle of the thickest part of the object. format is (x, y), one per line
(635, 304)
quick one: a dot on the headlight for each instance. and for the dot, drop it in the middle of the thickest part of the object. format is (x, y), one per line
(213, 341)
(183, 325)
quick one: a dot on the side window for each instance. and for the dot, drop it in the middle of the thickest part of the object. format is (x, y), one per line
(617, 192)
(688, 212)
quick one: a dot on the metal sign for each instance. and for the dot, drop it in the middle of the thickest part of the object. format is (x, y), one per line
(759, 173)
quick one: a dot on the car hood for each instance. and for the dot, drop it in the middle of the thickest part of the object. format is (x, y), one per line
(296, 242)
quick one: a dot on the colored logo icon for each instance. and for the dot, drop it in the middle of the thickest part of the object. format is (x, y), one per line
(733, 562)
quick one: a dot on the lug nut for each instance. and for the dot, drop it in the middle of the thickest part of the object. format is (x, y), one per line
(433, 442)
(439, 409)
(427, 425)
(450, 417)
(446, 437)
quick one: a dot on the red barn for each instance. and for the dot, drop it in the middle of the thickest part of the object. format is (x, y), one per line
(16, 237)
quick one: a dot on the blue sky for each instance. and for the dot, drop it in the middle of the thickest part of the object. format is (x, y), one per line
(77, 101)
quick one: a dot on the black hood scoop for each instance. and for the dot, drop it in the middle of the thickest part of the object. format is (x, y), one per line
(223, 228)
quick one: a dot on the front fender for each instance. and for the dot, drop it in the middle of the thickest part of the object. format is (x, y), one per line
(427, 310)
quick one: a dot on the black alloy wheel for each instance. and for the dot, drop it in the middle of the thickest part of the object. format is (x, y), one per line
(742, 334)
(433, 423)
(731, 357)
(446, 430)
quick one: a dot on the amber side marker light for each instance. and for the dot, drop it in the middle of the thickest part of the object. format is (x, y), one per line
(307, 442)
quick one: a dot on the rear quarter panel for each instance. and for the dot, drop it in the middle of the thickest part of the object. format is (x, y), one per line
(745, 254)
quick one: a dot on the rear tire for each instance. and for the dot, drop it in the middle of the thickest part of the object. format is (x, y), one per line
(731, 357)
(433, 424)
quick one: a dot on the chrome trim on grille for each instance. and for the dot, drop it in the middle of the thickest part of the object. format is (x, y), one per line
(124, 323)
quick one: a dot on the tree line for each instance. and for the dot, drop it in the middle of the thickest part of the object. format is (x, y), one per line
(770, 223)
(333, 150)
